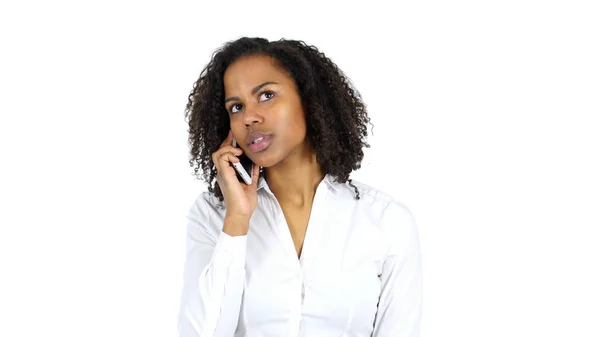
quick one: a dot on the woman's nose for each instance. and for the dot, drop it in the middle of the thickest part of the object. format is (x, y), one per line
(252, 115)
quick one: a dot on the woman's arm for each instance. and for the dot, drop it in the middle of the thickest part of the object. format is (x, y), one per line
(399, 310)
(213, 280)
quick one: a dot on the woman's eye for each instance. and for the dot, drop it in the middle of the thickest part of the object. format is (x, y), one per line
(235, 108)
(266, 95)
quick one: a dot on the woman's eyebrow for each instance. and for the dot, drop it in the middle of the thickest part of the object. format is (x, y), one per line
(256, 89)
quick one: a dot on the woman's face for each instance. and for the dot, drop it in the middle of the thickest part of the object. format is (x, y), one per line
(262, 101)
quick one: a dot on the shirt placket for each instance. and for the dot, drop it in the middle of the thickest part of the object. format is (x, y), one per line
(299, 266)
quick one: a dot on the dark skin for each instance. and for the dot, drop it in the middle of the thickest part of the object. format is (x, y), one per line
(290, 164)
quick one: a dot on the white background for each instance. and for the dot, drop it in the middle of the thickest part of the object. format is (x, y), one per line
(488, 110)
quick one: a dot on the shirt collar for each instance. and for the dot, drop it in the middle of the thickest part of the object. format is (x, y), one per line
(328, 179)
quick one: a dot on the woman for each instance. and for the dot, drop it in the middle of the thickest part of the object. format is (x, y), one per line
(302, 250)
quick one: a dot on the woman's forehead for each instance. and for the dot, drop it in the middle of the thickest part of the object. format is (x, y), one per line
(252, 70)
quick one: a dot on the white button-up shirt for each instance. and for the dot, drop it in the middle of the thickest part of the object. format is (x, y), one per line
(359, 273)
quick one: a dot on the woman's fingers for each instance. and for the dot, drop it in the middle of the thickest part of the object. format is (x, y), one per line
(226, 149)
(255, 174)
(228, 140)
(228, 157)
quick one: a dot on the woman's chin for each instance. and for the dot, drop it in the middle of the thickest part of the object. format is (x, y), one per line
(265, 162)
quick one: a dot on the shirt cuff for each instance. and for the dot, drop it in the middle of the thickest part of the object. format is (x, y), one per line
(230, 250)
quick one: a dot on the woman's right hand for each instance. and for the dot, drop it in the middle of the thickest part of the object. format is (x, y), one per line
(240, 199)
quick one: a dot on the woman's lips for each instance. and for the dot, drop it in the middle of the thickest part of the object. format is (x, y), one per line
(261, 145)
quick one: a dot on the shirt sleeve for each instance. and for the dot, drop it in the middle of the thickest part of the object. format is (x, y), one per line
(213, 277)
(400, 302)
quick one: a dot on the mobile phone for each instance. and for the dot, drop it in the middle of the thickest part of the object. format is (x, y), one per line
(243, 167)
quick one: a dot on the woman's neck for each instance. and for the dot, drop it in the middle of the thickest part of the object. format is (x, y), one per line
(294, 181)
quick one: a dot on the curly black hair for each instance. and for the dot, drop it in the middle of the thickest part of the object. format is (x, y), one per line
(336, 117)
